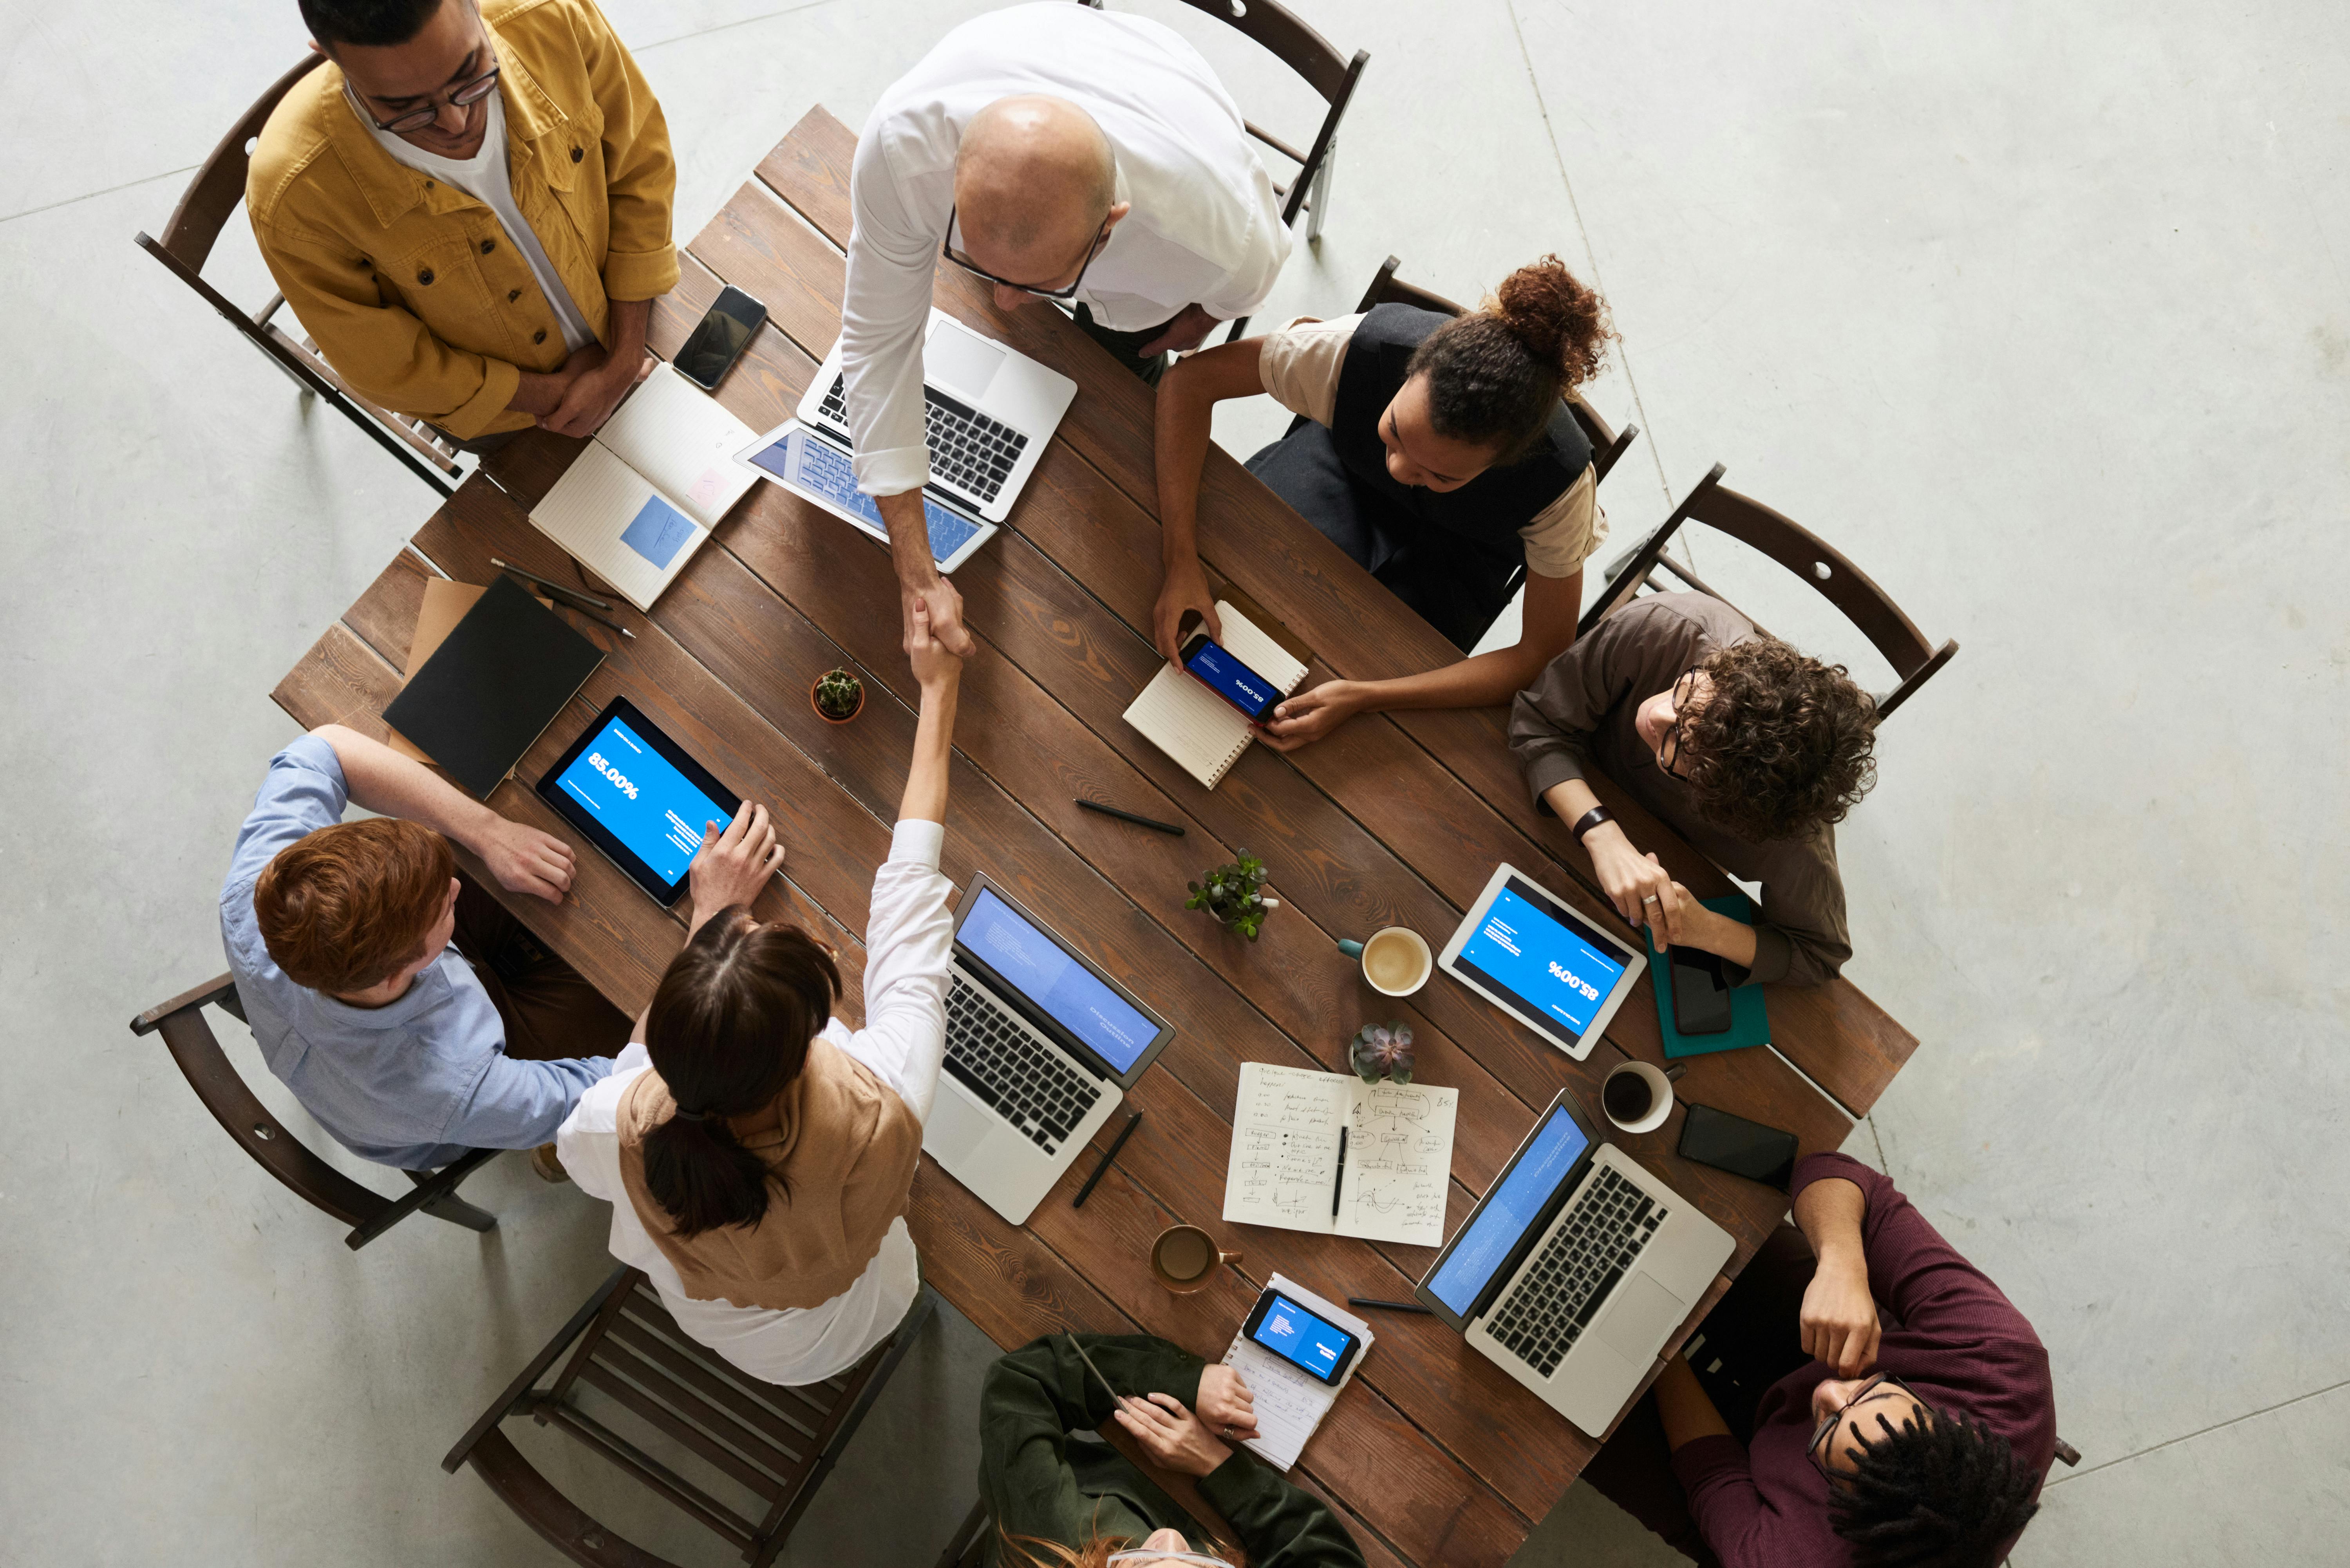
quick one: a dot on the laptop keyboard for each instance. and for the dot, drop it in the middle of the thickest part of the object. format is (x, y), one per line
(996, 1058)
(972, 451)
(1560, 1291)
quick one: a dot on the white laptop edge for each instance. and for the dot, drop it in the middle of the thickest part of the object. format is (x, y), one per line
(1635, 964)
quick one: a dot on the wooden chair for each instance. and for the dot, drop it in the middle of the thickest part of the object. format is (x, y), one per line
(187, 243)
(1274, 27)
(181, 1022)
(967, 1547)
(1802, 552)
(779, 1443)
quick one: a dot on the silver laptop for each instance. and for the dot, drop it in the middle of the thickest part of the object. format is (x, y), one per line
(990, 411)
(1040, 1047)
(1574, 1268)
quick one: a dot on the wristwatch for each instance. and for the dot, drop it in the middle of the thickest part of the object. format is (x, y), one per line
(1589, 820)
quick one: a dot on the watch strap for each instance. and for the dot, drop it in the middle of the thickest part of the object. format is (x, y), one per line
(1589, 820)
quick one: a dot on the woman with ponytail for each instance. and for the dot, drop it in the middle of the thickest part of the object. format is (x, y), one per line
(1436, 451)
(757, 1153)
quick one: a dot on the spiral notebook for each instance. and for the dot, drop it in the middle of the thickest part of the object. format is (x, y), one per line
(1289, 1403)
(1194, 725)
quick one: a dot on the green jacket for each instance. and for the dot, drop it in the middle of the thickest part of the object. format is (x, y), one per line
(1035, 1482)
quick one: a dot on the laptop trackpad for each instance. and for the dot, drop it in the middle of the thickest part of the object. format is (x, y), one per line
(962, 362)
(956, 1127)
(1642, 1314)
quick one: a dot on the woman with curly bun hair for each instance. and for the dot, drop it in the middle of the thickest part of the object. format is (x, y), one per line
(1436, 451)
(1750, 750)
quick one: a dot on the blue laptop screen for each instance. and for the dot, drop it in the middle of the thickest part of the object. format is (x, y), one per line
(645, 803)
(819, 469)
(1034, 965)
(1508, 1212)
(1554, 966)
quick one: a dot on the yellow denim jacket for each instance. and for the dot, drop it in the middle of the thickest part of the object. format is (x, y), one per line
(403, 282)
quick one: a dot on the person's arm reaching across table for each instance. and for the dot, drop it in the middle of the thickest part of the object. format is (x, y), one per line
(523, 859)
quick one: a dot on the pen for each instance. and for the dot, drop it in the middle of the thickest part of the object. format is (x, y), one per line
(599, 620)
(590, 600)
(1388, 1306)
(1116, 1144)
(1339, 1184)
(1129, 817)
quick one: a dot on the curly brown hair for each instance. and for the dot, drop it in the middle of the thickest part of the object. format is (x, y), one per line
(1495, 375)
(1783, 745)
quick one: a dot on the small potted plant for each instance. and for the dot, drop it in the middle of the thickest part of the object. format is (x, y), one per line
(837, 696)
(1234, 893)
(1381, 1051)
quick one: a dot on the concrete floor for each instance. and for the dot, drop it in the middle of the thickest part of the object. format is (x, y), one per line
(2036, 311)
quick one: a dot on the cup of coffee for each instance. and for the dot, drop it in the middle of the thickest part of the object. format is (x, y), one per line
(1184, 1258)
(1396, 960)
(1637, 1098)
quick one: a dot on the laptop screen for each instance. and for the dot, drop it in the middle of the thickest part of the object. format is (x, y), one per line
(1054, 983)
(1508, 1212)
(1559, 969)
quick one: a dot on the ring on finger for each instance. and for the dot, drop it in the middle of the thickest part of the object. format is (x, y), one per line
(1650, 899)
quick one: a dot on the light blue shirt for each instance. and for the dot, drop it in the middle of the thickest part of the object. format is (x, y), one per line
(416, 1083)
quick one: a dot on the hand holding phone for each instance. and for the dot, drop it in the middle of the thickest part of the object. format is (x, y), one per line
(1312, 1343)
(1212, 665)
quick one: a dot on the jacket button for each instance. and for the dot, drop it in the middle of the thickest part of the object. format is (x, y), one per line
(424, 276)
(428, 185)
(512, 294)
(577, 155)
(489, 245)
(539, 336)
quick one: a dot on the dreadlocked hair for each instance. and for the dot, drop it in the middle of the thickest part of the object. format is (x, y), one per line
(1944, 1493)
(1782, 744)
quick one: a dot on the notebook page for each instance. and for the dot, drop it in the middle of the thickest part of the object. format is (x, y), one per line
(1399, 1162)
(1252, 648)
(1289, 1403)
(680, 438)
(1283, 1169)
(1190, 724)
(605, 514)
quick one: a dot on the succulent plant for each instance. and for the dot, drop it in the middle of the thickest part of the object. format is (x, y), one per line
(1381, 1051)
(839, 694)
(1234, 893)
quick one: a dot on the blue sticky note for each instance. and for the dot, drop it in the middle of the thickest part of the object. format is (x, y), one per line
(658, 531)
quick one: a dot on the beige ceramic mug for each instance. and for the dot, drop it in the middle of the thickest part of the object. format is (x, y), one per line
(1396, 960)
(1184, 1258)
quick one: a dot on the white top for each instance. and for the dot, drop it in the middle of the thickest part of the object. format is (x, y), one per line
(485, 178)
(909, 943)
(1205, 227)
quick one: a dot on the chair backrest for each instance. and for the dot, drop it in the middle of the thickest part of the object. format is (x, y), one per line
(1805, 553)
(219, 185)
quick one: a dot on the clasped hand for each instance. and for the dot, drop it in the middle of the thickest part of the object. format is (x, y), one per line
(1642, 890)
(594, 386)
(1186, 1443)
(1838, 1317)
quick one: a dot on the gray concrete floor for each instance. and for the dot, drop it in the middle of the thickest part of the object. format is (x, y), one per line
(2036, 311)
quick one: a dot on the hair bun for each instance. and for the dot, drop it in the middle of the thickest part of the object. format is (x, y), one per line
(1557, 319)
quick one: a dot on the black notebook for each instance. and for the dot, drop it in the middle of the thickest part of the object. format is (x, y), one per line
(499, 679)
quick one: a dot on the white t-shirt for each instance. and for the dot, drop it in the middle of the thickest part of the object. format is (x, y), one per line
(485, 178)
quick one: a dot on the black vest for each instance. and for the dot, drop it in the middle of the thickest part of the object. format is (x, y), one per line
(1489, 509)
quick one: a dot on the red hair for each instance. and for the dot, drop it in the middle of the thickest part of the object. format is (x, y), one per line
(351, 906)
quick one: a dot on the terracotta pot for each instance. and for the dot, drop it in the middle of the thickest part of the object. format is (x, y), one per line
(819, 707)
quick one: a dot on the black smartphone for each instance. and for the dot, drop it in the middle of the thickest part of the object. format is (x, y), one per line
(1739, 1147)
(720, 338)
(1701, 992)
(1312, 1343)
(1213, 665)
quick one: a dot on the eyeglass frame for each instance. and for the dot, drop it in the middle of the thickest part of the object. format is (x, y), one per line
(1142, 1554)
(1671, 767)
(1061, 296)
(1820, 1433)
(417, 120)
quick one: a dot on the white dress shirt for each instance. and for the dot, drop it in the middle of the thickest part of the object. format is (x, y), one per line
(1205, 228)
(909, 943)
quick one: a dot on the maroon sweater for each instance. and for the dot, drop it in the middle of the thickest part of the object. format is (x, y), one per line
(1947, 1332)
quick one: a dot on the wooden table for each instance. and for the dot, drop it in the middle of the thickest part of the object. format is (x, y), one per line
(1432, 1455)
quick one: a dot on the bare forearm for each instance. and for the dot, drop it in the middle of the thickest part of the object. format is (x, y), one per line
(539, 395)
(630, 318)
(1683, 1406)
(1830, 1212)
(1486, 680)
(925, 799)
(1183, 421)
(382, 781)
(910, 539)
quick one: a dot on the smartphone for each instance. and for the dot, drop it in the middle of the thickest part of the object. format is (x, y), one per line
(1701, 992)
(1213, 666)
(1315, 1345)
(720, 338)
(1739, 1147)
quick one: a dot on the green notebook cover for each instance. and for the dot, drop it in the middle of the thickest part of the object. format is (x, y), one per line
(1749, 1024)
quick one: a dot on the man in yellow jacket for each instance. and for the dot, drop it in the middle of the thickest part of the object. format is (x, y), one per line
(468, 207)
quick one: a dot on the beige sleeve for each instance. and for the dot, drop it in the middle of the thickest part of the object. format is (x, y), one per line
(1300, 365)
(1568, 532)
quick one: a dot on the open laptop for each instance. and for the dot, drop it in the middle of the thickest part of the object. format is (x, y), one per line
(1040, 1047)
(1574, 1268)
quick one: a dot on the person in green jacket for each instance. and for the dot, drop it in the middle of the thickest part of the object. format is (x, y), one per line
(1054, 1504)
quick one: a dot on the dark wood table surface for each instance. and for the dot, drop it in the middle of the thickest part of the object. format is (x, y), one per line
(1431, 1454)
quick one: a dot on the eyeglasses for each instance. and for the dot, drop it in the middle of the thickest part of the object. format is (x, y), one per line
(947, 249)
(465, 95)
(1868, 1390)
(1669, 750)
(1168, 1557)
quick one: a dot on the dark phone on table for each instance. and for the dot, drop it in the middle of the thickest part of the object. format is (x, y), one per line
(722, 335)
(1739, 1147)
(1211, 664)
(1701, 992)
(1313, 1344)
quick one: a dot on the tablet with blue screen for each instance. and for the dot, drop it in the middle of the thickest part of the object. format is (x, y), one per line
(1523, 949)
(812, 466)
(639, 798)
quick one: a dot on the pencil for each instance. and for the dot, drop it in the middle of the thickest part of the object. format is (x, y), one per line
(599, 620)
(590, 600)
(1386, 1306)
(1102, 1169)
(1129, 817)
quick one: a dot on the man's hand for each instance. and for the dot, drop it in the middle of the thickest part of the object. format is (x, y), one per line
(935, 669)
(595, 392)
(1305, 718)
(945, 605)
(525, 860)
(1838, 1318)
(1184, 592)
(734, 863)
(1226, 1406)
(1628, 877)
(1172, 1435)
(1185, 333)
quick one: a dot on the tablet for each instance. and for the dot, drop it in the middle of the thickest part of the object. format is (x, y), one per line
(804, 462)
(638, 797)
(1527, 953)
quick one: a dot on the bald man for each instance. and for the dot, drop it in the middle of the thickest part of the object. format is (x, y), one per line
(1059, 154)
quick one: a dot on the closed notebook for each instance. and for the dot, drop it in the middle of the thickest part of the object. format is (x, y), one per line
(640, 498)
(1192, 724)
(498, 680)
(1750, 1021)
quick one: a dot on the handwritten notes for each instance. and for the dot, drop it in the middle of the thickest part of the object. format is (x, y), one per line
(1286, 1168)
(1289, 1403)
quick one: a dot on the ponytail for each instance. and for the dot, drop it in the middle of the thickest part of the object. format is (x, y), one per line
(1495, 375)
(728, 1030)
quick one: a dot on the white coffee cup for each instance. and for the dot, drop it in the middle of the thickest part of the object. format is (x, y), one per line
(1661, 1098)
(1396, 960)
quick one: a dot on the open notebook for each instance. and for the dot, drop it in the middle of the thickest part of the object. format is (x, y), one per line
(1329, 1153)
(1194, 725)
(644, 495)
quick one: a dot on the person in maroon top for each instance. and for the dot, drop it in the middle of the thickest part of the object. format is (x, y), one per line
(1866, 1397)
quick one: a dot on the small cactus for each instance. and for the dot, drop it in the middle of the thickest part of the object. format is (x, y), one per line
(1234, 893)
(839, 694)
(1381, 1051)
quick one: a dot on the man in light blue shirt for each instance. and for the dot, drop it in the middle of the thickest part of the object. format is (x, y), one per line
(339, 935)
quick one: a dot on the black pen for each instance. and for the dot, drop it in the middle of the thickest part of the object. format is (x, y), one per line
(1102, 1169)
(599, 620)
(1386, 1306)
(590, 600)
(1129, 817)
(1338, 1186)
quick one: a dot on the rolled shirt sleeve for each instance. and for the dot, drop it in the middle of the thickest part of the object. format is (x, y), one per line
(1301, 363)
(1568, 532)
